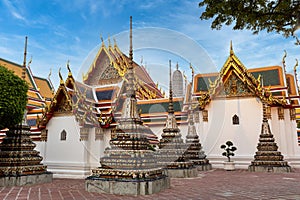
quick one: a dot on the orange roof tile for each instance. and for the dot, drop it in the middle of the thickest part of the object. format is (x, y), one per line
(44, 87)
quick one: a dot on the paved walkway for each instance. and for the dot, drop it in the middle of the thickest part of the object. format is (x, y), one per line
(215, 184)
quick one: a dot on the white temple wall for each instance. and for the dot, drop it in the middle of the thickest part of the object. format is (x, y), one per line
(66, 158)
(220, 128)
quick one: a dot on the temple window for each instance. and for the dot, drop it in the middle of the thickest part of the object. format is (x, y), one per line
(235, 120)
(63, 135)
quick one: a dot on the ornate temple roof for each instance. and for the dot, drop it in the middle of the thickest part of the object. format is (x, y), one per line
(235, 80)
(109, 67)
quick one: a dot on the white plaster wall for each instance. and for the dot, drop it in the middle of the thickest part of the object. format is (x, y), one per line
(220, 128)
(68, 157)
(40, 147)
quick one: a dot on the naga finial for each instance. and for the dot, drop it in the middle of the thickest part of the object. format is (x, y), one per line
(60, 77)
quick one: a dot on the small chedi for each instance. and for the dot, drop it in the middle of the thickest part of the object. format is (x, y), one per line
(129, 165)
(268, 158)
(20, 164)
(172, 148)
(194, 152)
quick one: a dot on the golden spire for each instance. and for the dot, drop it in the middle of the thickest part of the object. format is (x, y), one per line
(231, 48)
(24, 61)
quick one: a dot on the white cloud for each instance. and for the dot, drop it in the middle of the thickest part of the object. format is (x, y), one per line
(13, 8)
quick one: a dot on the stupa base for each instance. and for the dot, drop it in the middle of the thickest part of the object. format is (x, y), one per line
(203, 167)
(268, 168)
(22, 180)
(126, 187)
(183, 172)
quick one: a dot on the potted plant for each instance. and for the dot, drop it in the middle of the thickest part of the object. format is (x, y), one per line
(229, 149)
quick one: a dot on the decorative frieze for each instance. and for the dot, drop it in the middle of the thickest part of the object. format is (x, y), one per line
(205, 115)
(292, 114)
(84, 134)
(99, 133)
(196, 116)
(44, 135)
(280, 113)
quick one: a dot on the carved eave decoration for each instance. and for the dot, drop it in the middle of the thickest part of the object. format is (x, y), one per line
(234, 80)
(70, 81)
(61, 104)
(84, 111)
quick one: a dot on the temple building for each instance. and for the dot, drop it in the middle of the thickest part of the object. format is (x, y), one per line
(72, 126)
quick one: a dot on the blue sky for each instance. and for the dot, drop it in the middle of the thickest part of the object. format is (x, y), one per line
(59, 31)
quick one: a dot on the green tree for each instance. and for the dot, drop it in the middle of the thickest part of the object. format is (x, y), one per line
(13, 98)
(281, 16)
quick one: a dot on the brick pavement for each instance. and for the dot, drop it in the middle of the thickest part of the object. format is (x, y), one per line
(214, 184)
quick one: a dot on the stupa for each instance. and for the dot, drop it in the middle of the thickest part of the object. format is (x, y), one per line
(129, 165)
(268, 158)
(20, 164)
(171, 146)
(194, 150)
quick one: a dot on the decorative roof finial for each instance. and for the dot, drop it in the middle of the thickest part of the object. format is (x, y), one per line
(109, 43)
(295, 73)
(177, 67)
(283, 61)
(102, 41)
(142, 60)
(171, 107)
(284, 67)
(49, 75)
(24, 61)
(115, 42)
(130, 47)
(231, 48)
(193, 72)
(60, 77)
(30, 61)
(68, 67)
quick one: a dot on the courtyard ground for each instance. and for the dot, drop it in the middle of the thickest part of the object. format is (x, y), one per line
(214, 184)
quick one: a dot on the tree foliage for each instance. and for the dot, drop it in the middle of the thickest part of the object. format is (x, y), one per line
(13, 98)
(281, 16)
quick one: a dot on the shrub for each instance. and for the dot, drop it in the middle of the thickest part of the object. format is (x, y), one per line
(13, 98)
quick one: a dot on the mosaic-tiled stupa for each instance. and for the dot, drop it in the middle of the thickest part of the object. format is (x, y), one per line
(129, 165)
(194, 150)
(268, 158)
(171, 146)
(20, 164)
